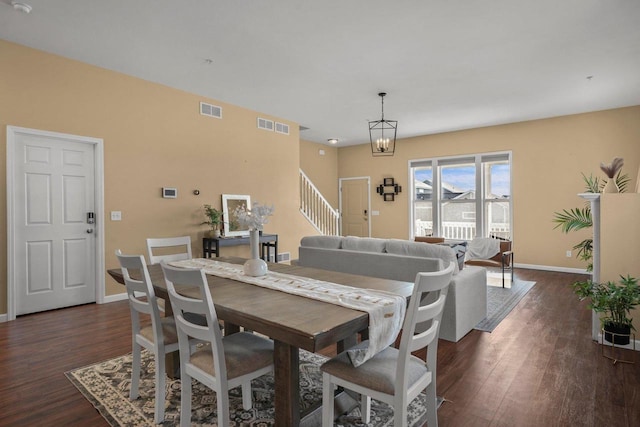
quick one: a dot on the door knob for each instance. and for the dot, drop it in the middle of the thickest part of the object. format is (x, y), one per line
(90, 231)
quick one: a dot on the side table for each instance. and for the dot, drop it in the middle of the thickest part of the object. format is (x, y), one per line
(212, 245)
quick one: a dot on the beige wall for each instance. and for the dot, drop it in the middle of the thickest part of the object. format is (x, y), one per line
(322, 169)
(548, 159)
(153, 136)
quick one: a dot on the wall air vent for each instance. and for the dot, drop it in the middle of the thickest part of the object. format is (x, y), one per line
(282, 256)
(282, 128)
(210, 110)
(265, 124)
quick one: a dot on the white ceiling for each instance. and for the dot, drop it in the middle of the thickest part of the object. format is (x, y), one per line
(445, 64)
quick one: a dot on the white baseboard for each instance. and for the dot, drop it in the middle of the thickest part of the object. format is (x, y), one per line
(107, 299)
(551, 268)
(114, 298)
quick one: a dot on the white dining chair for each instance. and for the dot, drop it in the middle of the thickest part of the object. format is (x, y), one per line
(225, 362)
(395, 376)
(160, 338)
(175, 249)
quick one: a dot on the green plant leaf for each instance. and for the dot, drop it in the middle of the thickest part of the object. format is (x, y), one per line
(622, 181)
(593, 184)
(573, 219)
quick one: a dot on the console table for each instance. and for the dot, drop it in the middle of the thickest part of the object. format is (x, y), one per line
(212, 245)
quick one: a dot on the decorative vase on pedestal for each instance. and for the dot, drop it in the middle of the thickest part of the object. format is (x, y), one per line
(610, 186)
(255, 266)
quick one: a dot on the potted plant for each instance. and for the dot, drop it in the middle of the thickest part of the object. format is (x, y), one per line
(214, 219)
(616, 300)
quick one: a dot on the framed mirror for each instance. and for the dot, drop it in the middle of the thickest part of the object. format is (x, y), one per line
(229, 204)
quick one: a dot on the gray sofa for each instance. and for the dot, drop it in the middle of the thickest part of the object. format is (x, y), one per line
(395, 259)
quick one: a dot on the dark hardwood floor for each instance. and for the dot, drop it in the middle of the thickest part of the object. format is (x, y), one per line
(539, 367)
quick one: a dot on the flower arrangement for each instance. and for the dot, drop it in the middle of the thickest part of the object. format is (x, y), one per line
(254, 218)
(612, 169)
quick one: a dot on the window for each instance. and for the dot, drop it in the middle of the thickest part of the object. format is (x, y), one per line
(462, 197)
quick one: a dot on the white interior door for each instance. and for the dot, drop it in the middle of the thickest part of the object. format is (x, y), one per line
(354, 207)
(54, 245)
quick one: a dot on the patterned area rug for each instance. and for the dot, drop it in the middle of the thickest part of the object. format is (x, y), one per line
(500, 301)
(106, 386)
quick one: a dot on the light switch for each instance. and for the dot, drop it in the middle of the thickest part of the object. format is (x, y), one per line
(374, 213)
(116, 216)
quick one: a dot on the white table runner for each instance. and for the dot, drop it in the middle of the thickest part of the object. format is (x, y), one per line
(386, 310)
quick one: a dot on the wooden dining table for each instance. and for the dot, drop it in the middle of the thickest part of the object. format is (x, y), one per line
(293, 322)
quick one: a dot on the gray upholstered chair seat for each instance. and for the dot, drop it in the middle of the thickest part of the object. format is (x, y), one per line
(170, 333)
(243, 353)
(377, 373)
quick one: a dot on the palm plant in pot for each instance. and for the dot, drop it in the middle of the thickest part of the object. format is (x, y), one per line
(615, 300)
(214, 219)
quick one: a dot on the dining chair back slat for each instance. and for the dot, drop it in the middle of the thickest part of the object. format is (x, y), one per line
(179, 248)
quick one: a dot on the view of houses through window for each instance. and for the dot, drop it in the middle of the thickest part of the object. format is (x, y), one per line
(472, 196)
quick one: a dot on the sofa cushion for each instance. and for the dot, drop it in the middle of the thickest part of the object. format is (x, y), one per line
(326, 242)
(364, 244)
(419, 249)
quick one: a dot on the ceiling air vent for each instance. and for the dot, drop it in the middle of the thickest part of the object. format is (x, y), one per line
(265, 124)
(282, 128)
(210, 110)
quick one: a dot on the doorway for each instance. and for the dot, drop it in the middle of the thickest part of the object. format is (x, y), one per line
(355, 207)
(55, 245)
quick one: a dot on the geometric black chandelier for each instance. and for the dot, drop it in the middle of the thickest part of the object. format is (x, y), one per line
(382, 134)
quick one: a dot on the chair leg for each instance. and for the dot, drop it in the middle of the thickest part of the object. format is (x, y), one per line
(327, 401)
(400, 415)
(223, 408)
(160, 389)
(135, 371)
(185, 399)
(365, 408)
(246, 396)
(432, 405)
(512, 268)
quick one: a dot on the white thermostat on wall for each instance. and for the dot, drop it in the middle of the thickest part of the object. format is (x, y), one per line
(169, 193)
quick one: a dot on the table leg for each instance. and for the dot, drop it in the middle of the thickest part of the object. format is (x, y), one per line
(171, 360)
(287, 394)
(346, 343)
(275, 249)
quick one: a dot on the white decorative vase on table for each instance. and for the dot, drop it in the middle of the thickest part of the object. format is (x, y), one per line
(255, 266)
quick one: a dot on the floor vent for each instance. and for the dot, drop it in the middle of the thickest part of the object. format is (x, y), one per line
(282, 128)
(210, 110)
(265, 124)
(282, 256)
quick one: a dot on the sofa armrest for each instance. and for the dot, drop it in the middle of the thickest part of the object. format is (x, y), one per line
(466, 303)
